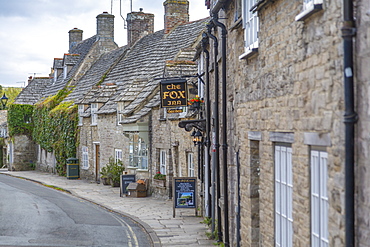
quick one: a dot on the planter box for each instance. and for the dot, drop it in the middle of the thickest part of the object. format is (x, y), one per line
(159, 182)
(136, 190)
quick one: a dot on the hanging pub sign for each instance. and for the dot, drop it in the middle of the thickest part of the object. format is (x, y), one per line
(174, 93)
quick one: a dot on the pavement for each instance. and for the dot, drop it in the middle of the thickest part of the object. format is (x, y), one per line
(155, 215)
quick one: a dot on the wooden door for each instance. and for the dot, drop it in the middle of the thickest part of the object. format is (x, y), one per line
(97, 162)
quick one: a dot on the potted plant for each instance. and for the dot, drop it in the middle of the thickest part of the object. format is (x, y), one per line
(112, 172)
(104, 175)
(117, 169)
(195, 102)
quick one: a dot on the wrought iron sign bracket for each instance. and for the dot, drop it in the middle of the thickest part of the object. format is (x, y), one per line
(188, 125)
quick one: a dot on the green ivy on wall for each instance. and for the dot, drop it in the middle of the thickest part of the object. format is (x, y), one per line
(55, 127)
(20, 120)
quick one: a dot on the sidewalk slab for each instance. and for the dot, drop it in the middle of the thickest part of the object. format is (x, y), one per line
(155, 215)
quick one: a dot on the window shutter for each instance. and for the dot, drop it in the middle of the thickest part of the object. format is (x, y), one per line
(319, 199)
(283, 196)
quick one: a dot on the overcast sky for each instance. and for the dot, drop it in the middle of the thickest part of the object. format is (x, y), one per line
(34, 32)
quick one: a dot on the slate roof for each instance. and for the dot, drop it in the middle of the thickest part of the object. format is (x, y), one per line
(95, 74)
(136, 72)
(147, 57)
(71, 59)
(38, 89)
(82, 48)
(31, 94)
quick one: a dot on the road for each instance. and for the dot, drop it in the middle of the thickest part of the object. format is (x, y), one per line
(34, 215)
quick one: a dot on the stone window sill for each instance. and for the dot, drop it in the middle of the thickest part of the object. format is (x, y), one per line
(248, 54)
(308, 12)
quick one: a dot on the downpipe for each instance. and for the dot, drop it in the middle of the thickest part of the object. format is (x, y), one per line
(350, 118)
(205, 42)
(216, 187)
(224, 126)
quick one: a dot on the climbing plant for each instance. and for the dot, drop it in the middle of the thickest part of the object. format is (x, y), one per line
(55, 127)
(20, 119)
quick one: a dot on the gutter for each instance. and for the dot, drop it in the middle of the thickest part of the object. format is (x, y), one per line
(350, 118)
(219, 4)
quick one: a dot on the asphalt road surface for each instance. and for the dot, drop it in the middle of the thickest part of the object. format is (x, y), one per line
(35, 215)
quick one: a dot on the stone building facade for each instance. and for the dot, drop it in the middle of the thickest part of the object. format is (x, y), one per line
(285, 131)
(362, 57)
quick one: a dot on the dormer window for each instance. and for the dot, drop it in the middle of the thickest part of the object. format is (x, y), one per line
(94, 116)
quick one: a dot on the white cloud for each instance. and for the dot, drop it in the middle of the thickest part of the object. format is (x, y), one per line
(33, 33)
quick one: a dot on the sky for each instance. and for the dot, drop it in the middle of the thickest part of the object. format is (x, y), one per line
(34, 32)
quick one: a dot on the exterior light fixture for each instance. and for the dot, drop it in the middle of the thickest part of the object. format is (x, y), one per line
(197, 139)
(4, 100)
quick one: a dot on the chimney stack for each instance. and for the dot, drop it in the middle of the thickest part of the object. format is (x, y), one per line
(139, 24)
(75, 36)
(175, 12)
(105, 27)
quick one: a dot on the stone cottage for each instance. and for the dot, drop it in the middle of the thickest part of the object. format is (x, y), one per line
(292, 169)
(65, 72)
(121, 116)
(117, 94)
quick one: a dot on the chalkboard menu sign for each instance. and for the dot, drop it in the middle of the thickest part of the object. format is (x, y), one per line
(125, 181)
(184, 193)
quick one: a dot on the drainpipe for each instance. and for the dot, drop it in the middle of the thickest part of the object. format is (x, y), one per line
(205, 42)
(224, 127)
(216, 159)
(350, 118)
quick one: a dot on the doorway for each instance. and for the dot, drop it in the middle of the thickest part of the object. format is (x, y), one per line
(97, 162)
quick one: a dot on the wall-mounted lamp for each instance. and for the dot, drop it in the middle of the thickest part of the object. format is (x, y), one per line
(197, 137)
(4, 100)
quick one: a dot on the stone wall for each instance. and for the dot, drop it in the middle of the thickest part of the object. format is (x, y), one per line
(87, 135)
(177, 143)
(24, 154)
(292, 85)
(362, 60)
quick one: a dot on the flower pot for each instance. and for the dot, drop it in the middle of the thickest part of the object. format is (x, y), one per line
(114, 183)
(105, 181)
(195, 105)
(159, 182)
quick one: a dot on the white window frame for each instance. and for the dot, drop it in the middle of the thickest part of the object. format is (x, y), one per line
(319, 199)
(118, 155)
(85, 157)
(191, 170)
(81, 110)
(94, 116)
(163, 162)
(309, 7)
(251, 28)
(55, 75)
(65, 71)
(283, 196)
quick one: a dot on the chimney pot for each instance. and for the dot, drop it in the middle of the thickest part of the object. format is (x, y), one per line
(105, 26)
(175, 12)
(75, 36)
(138, 25)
